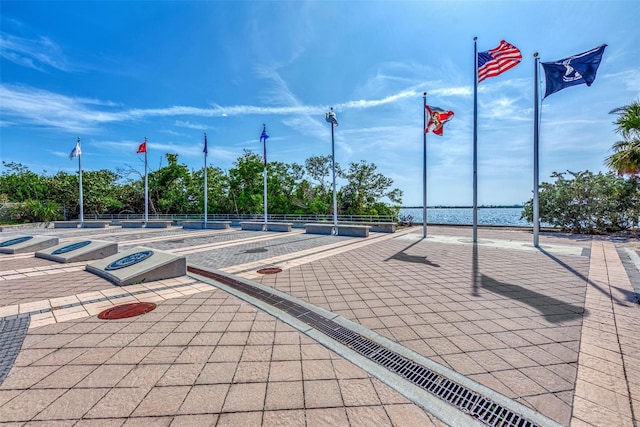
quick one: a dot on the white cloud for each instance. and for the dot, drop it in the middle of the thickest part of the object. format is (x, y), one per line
(39, 53)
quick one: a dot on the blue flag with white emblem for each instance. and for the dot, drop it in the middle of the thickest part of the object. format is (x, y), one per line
(571, 71)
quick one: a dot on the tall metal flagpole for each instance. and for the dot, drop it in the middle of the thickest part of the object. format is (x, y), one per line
(424, 166)
(475, 140)
(206, 151)
(146, 183)
(331, 118)
(264, 173)
(536, 132)
(80, 173)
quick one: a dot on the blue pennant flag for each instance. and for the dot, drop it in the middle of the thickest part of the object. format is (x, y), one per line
(571, 71)
(263, 139)
(206, 150)
(264, 135)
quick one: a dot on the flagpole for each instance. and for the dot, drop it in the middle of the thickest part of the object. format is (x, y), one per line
(146, 183)
(333, 167)
(80, 184)
(475, 140)
(264, 174)
(536, 132)
(424, 166)
(205, 180)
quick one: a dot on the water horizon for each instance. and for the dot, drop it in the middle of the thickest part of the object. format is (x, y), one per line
(461, 215)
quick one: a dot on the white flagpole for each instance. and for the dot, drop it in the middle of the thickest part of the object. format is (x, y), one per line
(333, 167)
(146, 183)
(264, 174)
(80, 185)
(424, 166)
(536, 133)
(205, 179)
(475, 140)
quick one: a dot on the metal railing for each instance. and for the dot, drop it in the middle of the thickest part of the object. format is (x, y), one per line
(243, 217)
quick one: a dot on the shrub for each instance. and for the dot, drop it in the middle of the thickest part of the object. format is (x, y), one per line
(587, 203)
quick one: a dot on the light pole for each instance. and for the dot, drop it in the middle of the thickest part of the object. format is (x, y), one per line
(331, 118)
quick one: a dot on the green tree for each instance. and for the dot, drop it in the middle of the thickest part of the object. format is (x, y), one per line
(246, 184)
(282, 183)
(20, 184)
(365, 187)
(168, 188)
(626, 153)
(217, 189)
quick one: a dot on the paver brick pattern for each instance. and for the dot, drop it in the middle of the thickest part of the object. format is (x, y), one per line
(512, 320)
(508, 319)
(207, 358)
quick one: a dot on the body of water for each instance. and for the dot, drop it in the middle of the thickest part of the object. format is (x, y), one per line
(464, 216)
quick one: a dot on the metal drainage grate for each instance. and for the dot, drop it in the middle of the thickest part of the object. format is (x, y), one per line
(470, 402)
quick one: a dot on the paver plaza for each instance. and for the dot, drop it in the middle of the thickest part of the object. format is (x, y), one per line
(549, 333)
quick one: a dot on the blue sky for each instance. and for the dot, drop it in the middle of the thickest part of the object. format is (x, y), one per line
(115, 72)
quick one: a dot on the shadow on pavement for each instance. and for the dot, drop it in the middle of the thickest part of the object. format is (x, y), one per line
(416, 259)
(553, 310)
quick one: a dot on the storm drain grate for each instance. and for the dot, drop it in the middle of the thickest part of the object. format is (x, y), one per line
(472, 403)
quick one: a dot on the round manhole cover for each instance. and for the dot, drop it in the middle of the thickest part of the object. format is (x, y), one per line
(269, 270)
(126, 310)
(71, 247)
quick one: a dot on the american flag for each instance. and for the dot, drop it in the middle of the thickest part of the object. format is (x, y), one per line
(496, 61)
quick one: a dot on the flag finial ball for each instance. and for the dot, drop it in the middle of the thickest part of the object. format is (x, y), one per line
(535, 54)
(475, 38)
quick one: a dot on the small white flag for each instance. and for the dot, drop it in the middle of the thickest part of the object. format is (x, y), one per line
(76, 151)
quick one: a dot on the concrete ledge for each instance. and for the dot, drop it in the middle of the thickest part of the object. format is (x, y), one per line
(252, 226)
(279, 226)
(318, 228)
(139, 265)
(210, 225)
(353, 230)
(66, 224)
(271, 226)
(25, 244)
(95, 224)
(80, 250)
(132, 224)
(158, 224)
(382, 227)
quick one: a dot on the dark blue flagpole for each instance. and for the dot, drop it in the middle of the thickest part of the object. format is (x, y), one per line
(475, 140)
(206, 151)
(264, 141)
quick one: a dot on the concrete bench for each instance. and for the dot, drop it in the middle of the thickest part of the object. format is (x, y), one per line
(318, 228)
(279, 226)
(271, 226)
(132, 224)
(158, 224)
(66, 224)
(353, 230)
(251, 226)
(210, 225)
(95, 224)
(383, 227)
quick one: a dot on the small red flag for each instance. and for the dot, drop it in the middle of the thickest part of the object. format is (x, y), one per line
(437, 118)
(142, 148)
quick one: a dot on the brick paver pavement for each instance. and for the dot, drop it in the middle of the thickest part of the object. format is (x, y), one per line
(553, 329)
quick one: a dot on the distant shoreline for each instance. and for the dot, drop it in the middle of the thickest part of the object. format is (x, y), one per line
(465, 207)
